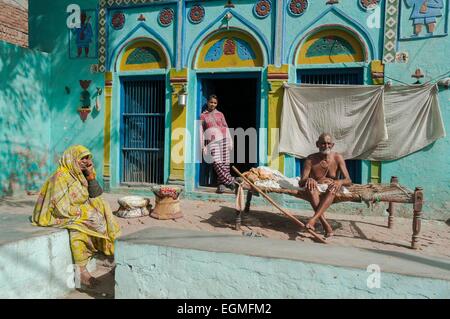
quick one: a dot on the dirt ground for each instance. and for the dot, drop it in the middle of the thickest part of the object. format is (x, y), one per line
(266, 221)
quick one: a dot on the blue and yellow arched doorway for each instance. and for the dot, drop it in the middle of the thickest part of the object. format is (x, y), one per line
(229, 64)
(333, 56)
(136, 126)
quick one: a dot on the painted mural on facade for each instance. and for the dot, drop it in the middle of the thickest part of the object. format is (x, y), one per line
(83, 38)
(428, 18)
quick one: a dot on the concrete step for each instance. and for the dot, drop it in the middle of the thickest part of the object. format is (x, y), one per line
(178, 263)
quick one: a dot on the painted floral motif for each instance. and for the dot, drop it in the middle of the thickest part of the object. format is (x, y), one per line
(165, 17)
(196, 14)
(369, 4)
(229, 48)
(329, 46)
(118, 20)
(245, 51)
(298, 7)
(143, 55)
(262, 8)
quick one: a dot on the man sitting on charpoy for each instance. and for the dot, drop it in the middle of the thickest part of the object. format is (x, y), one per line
(320, 179)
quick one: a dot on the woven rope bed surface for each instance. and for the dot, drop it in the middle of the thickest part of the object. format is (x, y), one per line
(368, 193)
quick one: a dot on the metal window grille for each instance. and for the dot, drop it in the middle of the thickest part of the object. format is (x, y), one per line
(143, 126)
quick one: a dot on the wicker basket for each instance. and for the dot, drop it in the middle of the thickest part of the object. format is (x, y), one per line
(167, 202)
(133, 207)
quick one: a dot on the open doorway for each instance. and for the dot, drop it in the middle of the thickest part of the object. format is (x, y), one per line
(239, 102)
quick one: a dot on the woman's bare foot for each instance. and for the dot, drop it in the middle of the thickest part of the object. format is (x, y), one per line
(87, 280)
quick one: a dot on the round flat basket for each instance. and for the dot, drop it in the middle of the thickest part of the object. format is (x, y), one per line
(167, 202)
(133, 207)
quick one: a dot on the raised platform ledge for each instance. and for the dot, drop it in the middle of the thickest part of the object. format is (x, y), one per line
(35, 262)
(174, 263)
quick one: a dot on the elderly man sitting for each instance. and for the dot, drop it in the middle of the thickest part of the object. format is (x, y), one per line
(320, 175)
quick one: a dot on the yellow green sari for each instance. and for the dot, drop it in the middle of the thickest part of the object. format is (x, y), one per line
(64, 202)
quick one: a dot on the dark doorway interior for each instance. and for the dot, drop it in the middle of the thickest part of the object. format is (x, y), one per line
(238, 102)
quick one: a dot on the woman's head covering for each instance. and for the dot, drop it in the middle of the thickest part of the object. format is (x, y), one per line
(69, 161)
(64, 200)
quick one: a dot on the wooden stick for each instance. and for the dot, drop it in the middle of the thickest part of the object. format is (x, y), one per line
(277, 206)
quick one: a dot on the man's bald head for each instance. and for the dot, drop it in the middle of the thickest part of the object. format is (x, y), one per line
(323, 136)
(325, 143)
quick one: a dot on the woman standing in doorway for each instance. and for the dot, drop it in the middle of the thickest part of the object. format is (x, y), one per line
(216, 142)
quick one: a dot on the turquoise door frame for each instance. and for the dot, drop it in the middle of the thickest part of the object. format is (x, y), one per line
(194, 101)
(116, 127)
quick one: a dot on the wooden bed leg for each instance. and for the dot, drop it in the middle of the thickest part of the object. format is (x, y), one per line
(418, 203)
(238, 220)
(391, 209)
(248, 201)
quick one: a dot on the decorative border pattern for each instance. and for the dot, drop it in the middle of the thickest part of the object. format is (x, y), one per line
(118, 20)
(369, 5)
(165, 17)
(262, 8)
(104, 5)
(390, 27)
(297, 7)
(196, 14)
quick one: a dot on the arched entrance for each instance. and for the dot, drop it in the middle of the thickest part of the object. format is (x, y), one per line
(332, 55)
(142, 69)
(228, 64)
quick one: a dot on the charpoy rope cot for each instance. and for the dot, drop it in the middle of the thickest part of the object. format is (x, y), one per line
(360, 193)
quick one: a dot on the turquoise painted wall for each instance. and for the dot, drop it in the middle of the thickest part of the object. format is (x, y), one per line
(430, 167)
(318, 14)
(49, 32)
(24, 118)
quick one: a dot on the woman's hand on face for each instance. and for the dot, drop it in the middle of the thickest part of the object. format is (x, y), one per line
(86, 166)
(88, 170)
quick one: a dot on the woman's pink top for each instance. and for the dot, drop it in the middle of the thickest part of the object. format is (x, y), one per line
(214, 125)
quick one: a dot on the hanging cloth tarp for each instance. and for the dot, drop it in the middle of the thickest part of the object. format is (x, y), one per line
(366, 122)
(352, 114)
(413, 120)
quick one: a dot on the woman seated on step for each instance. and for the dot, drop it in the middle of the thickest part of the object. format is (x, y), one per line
(70, 199)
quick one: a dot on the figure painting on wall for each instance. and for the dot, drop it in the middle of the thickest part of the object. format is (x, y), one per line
(425, 12)
(82, 39)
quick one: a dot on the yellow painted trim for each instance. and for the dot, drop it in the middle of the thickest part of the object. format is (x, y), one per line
(162, 64)
(107, 126)
(174, 73)
(375, 172)
(377, 67)
(229, 60)
(177, 140)
(354, 42)
(275, 101)
(272, 69)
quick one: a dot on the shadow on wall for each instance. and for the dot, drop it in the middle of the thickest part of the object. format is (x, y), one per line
(25, 118)
(66, 125)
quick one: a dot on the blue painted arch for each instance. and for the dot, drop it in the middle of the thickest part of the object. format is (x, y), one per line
(130, 39)
(206, 33)
(352, 26)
